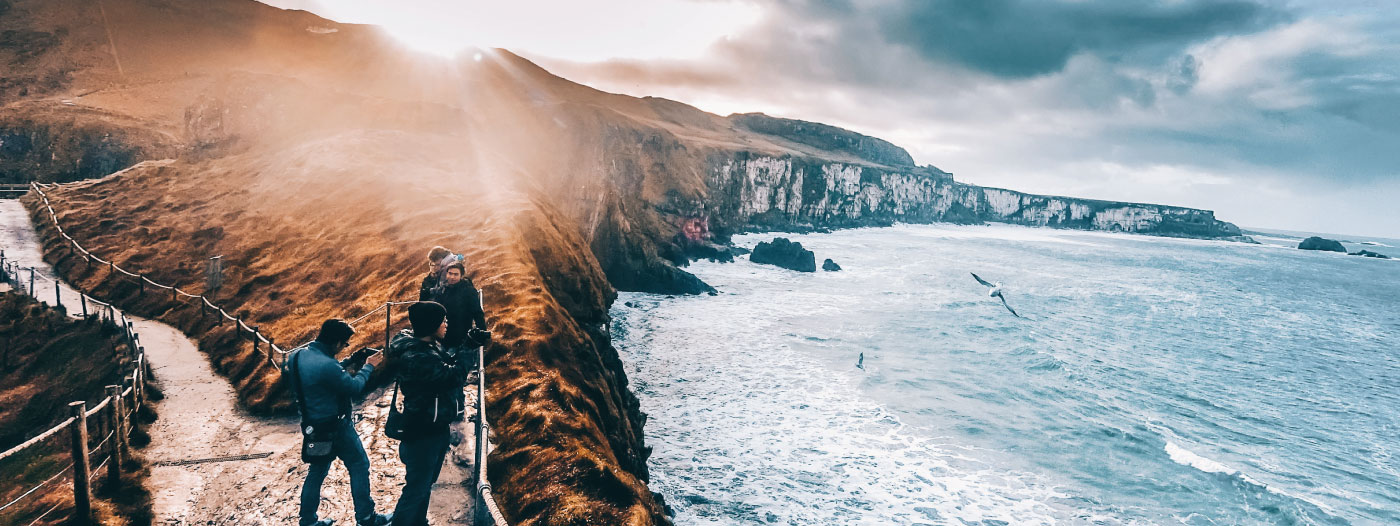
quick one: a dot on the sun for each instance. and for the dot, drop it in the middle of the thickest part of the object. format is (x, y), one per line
(568, 30)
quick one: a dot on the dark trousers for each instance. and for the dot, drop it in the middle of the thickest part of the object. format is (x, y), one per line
(422, 461)
(351, 452)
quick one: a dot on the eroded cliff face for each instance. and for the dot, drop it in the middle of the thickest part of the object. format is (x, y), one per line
(761, 192)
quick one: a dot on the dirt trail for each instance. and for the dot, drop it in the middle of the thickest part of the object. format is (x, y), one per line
(200, 419)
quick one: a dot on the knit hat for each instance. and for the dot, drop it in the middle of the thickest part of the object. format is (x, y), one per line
(426, 317)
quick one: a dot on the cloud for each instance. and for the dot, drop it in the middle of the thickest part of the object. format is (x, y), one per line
(1021, 38)
(1112, 99)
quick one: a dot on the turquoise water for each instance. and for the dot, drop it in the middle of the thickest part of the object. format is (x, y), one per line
(1151, 381)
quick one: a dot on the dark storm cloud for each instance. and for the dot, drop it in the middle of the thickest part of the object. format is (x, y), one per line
(1020, 38)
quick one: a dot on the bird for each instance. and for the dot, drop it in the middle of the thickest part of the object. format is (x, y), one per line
(860, 363)
(995, 292)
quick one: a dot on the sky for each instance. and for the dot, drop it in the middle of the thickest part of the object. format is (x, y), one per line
(1275, 114)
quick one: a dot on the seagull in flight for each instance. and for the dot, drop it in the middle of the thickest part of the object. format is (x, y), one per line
(995, 292)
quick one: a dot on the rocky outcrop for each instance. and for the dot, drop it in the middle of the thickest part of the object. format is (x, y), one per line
(1369, 254)
(830, 266)
(59, 143)
(759, 192)
(1319, 243)
(784, 253)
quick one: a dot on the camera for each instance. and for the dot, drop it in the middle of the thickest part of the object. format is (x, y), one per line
(363, 354)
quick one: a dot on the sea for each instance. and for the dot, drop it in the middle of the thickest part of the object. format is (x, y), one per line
(1146, 380)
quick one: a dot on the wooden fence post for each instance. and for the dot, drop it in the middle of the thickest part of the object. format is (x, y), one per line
(115, 418)
(82, 483)
(137, 380)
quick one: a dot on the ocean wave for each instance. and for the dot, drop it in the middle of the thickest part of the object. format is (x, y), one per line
(1184, 457)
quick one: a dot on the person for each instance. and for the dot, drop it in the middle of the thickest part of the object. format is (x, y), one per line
(462, 300)
(430, 381)
(324, 389)
(439, 258)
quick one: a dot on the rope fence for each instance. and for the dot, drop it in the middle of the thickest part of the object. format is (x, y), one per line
(115, 412)
(488, 512)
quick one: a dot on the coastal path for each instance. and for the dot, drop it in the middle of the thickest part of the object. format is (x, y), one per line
(214, 463)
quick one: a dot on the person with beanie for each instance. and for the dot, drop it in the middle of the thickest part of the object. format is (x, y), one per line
(430, 382)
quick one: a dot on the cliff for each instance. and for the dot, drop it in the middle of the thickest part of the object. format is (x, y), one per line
(772, 193)
(322, 160)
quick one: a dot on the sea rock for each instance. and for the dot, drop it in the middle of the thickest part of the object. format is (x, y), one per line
(785, 253)
(1369, 254)
(830, 266)
(1318, 243)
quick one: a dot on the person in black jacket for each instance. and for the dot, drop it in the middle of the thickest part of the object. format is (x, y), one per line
(463, 303)
(430, 380)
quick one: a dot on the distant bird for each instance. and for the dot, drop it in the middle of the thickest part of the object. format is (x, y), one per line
(995, 292)
(860, 363)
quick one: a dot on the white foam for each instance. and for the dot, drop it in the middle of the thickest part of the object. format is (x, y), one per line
(1186, 458)
(796, 442)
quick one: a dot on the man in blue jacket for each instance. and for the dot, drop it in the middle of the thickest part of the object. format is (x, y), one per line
(327, 389)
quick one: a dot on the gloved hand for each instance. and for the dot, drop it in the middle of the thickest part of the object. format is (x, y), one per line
(479, 336)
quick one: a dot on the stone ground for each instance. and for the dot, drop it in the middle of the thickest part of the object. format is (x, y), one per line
(200, 419)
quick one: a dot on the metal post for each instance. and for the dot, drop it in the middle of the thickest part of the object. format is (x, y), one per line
(388, 324)
(114, 417)
(31, 283)
(203, 308)
(482, 442)
(141, 280)
(255, 338)
(57, 295)
(82, 298)
(82, 475)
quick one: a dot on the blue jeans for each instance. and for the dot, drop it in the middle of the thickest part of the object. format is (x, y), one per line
(422, 461)
(351, 452)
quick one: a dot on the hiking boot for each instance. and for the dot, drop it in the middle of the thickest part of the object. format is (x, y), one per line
(378, 519)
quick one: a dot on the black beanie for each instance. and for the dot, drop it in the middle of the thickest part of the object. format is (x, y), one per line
(426, 317)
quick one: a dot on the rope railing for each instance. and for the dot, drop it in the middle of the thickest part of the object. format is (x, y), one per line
(113, 406)
(487, 510)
